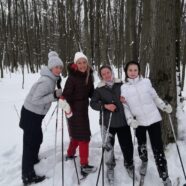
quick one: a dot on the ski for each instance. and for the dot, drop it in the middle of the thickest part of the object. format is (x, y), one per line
(111, 183)
(143, 170)
(28, 184)
(110, 176)
(81, 180)
(84, 177)
(70, 158)
(142, 179)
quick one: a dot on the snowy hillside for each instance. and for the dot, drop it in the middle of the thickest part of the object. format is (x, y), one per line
(11, 100)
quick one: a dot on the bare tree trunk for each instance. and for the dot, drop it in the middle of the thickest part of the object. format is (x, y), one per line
(26, 37)
(92, 32)
(183, 62)
(121, 51)
(103, 33)
(108, 35)
(3, 39)
(115, 41)
(146, 40)
(163, 64)
(139, 25)
(97, 34)
(86, 42)
(183, 42)
(131, 35)
(177, 41)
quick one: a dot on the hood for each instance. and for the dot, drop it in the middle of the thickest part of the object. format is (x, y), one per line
(73, 70)
(103, 83)
(46, 72)
(134, 81)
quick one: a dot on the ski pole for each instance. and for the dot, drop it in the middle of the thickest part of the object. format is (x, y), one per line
(16, 111)
(55, 146)
(102, 128)
(170, 119)
(50, 119)
(76, 171)
(57, 106)
(133, 158)
(75, 166)
(106, 136)
(62, 148)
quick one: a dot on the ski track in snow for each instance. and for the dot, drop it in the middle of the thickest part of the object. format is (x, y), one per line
(12, 95)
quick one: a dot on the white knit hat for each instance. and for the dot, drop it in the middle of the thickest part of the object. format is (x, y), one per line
(54, 60)
(79, 55)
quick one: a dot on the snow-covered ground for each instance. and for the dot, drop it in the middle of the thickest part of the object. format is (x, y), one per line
(11, 99)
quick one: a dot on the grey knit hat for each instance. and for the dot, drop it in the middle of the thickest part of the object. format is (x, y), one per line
(54, 60)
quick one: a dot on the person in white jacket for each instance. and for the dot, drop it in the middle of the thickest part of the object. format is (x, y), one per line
(141, 109)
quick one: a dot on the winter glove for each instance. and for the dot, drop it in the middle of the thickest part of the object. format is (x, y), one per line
(167, 108)
(65, 106)
(133, 123)
(162, 105)
(59, 83)
(57, 93)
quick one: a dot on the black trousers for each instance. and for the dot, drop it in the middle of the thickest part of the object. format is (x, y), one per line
(154, 132)
(125, 142)
(32, 139)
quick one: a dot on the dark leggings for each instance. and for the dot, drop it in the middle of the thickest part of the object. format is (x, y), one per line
(32, 139)
(154, 132)
(125, 141)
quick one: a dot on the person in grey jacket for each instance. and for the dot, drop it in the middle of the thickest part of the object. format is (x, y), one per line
(35, 107)
(106, 98)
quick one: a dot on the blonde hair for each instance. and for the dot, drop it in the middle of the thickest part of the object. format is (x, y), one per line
(88, 73)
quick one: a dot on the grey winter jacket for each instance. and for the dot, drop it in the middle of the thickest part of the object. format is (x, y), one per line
(41, 95)
(105, 95)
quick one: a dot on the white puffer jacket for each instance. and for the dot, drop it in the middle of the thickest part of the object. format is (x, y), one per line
(141, 101)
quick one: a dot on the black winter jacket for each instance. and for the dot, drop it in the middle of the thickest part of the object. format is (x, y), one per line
(77, 94)
(106, 95)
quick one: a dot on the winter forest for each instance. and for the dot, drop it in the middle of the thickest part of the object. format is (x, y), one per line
(112, 32)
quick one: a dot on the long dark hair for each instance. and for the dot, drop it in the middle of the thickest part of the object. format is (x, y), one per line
(127, 66)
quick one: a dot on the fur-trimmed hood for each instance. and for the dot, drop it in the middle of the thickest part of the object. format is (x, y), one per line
(103, 83)
(73, 70)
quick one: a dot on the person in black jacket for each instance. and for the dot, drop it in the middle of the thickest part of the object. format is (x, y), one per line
(78, 89)
(106, 97)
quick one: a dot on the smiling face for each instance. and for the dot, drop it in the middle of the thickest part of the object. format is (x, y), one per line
(106, 74)
(132, 71)
(56, 70)
(82, 65)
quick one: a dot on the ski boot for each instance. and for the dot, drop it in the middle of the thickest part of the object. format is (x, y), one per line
(143, 168)
(32, 178)
(167, 182)
(69, 157)
(110, 176)
(130, 171)
(87, 169)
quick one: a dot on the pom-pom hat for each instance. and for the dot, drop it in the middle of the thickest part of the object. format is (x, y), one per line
(54, 60)
(79, 55)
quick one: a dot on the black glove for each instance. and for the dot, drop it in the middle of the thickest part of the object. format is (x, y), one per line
(59, 83)
(57, 93)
